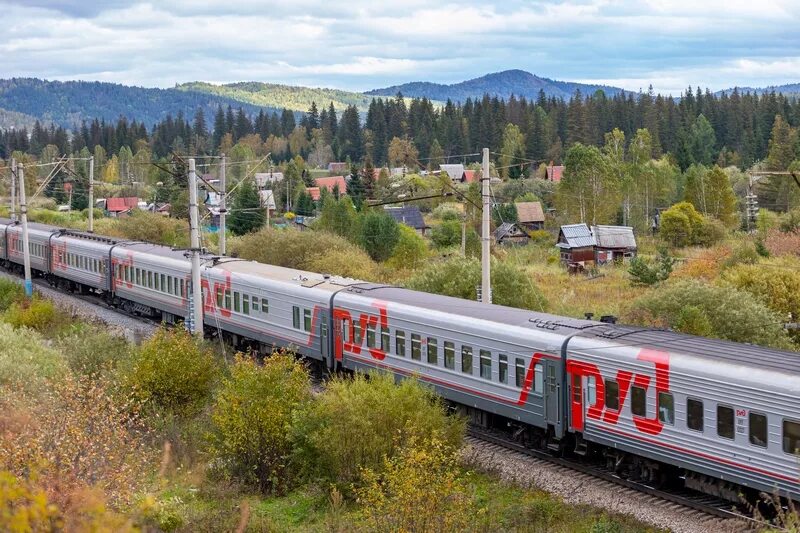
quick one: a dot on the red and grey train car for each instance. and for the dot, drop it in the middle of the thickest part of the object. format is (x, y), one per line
(657, 405)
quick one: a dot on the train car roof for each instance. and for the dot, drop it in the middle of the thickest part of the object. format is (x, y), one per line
(155, 249)
(288, 275)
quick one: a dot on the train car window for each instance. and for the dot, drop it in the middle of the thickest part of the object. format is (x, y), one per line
(219, 293)
(694, 414)
(237, 302)
(157, 283)
(163, 283)
(466, 359)
(551, 378)
(227, 298)
(791, 437)
(449, 355)
(486, 364)
(519, 372)
(591, 390)
(246, 304)
(416, 347)
(371, 335)
(400, 343)
(183, 289)
(666, 408)
(264, 306)
(433, 351)
(638, 401)
(612, 394)
(295, 317)
(255, 304)
(307, 319)
(149, 279)
(346, 329)
(725, 422)
(502, 369)
(538, 381)
(758, 429)
(138, 276)
(385, 342)
(357, 333)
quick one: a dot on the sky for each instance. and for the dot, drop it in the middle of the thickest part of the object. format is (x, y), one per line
(367, 44)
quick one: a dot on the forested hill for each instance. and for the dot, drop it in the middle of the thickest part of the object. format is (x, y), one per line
(68, 103)
(501, 84)
(291, 97)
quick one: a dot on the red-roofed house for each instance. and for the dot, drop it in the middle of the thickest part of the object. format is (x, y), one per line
(554, 172)
(121, 206)
(469, 176)
(314, 192)
(331, 183)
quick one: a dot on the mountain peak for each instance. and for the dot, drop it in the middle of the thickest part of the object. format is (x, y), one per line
(502, 84)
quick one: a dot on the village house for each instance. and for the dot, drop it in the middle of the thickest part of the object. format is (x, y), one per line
(576, 243)
(338, 167)
(510, 233)
(456, 172)
(530, 215)
(265, 179)
(332, 183)
(614, 243)
(554, 173)
(120, 207)
(409, 215)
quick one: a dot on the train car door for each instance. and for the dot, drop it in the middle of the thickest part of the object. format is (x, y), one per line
(324, 342)
(553, 396)
(576, 402)
(341, 334)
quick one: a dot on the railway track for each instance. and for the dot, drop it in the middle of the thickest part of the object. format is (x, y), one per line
(697, 506)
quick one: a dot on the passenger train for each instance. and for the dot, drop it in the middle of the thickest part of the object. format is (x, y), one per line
(658, 406)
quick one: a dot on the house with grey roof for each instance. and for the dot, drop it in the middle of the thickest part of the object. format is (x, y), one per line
(614, 243)
(456, 171)
(576, 243)
(510, 233)
(409, 215)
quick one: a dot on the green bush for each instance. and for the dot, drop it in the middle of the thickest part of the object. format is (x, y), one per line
(448, 233)
(356, 423)
(25, 361)
(710, 232)
(93, 353)
(458, 277)
(447, 211)
(541, 236)
(379, 233)
(36, 313)
(644, 274)
(724, 312)
(10, 292)
(410, 250)
(252, 420)
(775, 284)
(682, 225)
(172, 371)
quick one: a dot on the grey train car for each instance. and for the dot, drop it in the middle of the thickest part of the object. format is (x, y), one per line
(720, 417)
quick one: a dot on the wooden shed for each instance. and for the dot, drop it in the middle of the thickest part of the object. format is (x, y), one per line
(530, 215)
(576, 243)
(614, 243)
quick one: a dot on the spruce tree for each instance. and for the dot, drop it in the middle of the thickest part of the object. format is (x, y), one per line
(247, 214)
(355, 188)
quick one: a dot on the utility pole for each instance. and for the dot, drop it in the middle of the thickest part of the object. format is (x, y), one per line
(196, 306)
(26, 252)
(91, 194)
(13, 212)
(486, 282)
(222, 206)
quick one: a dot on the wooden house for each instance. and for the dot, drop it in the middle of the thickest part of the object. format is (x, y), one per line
(614, 243)
(510, 233)
(530, 215)
(576, 243)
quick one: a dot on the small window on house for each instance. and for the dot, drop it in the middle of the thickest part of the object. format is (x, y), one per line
(502, 369)
(400, 343)
(307, 319)
(758, 429)
(371, 335)
(612, 395)
(519, 372)
(449, 355)
(666, 408)
(791, 437)
(638, 401)
(246, 304)
(694, 414)
(486, 364)
(416, 347)
(385, 342)
(466, 359)
(295, 317)
(237, 301)
(725, 422)
(255, 304)
(433, 351)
